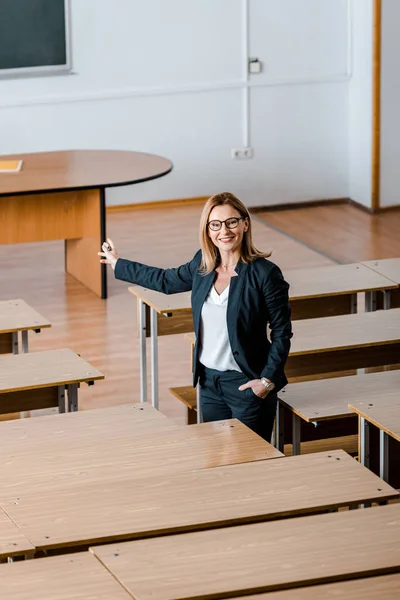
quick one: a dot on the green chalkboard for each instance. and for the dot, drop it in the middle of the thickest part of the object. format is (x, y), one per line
(33, 35)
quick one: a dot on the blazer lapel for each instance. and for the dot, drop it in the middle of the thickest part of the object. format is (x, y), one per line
(235, 297)
(199, 298)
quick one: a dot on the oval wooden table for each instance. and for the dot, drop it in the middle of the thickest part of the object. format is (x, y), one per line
(61, 195)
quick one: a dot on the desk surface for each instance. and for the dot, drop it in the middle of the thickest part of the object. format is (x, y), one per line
(316, 282)
(44, 369)
(17, 315)
(389, 267)
(334, 280)
(71, 577)
(346, 331)
(94, 511)
(380, 410)
(152, 453)
(330, 398)
(81, 169)
(342, 332)
(384, 587)
(12, 540)
(258, 557)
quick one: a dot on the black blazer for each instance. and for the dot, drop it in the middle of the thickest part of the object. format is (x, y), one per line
(257, 296)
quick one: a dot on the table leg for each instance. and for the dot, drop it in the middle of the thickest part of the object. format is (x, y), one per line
(364, 441)
(24, 342)
(154, 357)
(383, 455)
(370, 301)
(72, 397)
(143, 350)
(296, 434)
(198, 405)
(15, 348)
(280, 426)
(353, 303)
(386, 300)
(61, 398)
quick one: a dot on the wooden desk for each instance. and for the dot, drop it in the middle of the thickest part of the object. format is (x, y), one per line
(317, 402)
(258, 557)
(15, 316)
(390, 268)
(39, 380)
(383, 411)
(12, 540)
(331, 291)
(61, 196)
(344, 342)
(55, 463)
(384, 587)
(315, 292)
(71, 577)
(341, 343)
(94, 512)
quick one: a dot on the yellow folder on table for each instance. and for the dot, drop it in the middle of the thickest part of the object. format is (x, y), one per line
(10, 166)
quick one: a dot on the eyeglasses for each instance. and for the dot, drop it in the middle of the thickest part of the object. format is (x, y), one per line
(231, 223)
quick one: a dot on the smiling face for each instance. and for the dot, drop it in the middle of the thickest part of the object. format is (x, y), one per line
(225, 239)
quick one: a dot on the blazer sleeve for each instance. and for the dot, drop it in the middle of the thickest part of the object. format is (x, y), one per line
(167, 281)
(276, 295)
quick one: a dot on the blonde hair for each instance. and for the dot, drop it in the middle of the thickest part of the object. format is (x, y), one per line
(210, 253)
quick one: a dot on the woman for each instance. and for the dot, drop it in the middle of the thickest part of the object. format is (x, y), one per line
(236, 293)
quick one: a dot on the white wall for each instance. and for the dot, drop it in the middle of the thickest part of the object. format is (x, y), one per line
(390, 104)
(360, 103)
(169, 78)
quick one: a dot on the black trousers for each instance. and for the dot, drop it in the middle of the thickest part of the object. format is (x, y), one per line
(221, 399)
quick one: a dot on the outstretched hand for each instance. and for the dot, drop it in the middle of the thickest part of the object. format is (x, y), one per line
(109, 254)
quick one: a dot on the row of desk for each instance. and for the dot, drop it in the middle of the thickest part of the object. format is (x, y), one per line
(36, 380)
(314, 293)
(72, 481)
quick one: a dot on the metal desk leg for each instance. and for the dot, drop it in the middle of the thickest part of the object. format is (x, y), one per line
(72, 397)
(296, 434)
(24, 342)
(154, 357)
(364, 441)
(143, 353)
(198, 404)
(14, 342)
(61, 398)
(353, 303)
(370, 301)
(386, 300)
(383, 455)
(280, 426)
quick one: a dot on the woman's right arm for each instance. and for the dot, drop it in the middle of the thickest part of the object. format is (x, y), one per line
(167, 281)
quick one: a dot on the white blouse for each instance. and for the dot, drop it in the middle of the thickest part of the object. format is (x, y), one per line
(215, 349)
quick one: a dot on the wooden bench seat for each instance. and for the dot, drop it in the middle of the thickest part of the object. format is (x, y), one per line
(39, 380)
(17, 316)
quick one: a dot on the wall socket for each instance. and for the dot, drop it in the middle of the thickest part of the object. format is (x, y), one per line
(242, 153)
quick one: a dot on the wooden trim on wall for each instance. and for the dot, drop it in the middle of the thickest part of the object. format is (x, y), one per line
(158, 204)
(376, 104)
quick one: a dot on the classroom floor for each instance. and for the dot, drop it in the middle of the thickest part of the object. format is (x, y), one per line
(105, 332)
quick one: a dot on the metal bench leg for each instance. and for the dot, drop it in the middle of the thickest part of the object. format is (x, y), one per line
(143, 352)
(296, 434)
(280, 426)
(14, 342)
(61, 398)
(72, 397)
(154, 357)
(383, 455)
(24, 342)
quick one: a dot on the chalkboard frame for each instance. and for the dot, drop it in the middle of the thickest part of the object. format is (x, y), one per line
(38, 71)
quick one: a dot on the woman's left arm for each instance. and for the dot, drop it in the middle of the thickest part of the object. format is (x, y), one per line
(276, 295)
